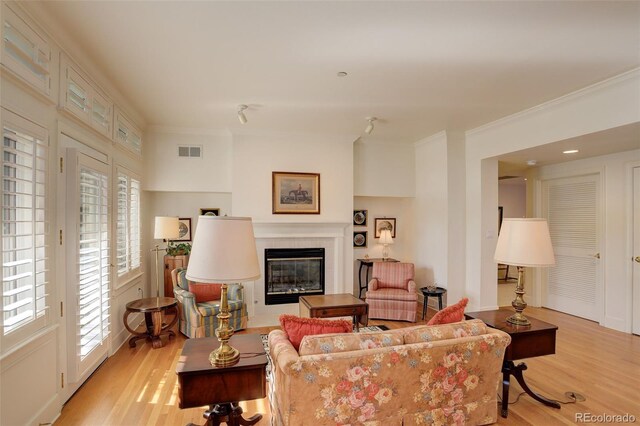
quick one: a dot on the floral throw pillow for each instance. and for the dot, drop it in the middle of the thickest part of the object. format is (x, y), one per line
(453, 313)
(296, 327)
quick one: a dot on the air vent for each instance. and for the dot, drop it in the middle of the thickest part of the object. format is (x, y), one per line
(190, 151)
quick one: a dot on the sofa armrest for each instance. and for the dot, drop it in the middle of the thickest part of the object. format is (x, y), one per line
(373, 284)
(281, 350)
(411, 286)
(185, 298)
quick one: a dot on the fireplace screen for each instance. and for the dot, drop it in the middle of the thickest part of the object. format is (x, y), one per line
(291, 273)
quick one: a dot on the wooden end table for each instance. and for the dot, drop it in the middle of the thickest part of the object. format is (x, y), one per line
(221, 388)
(335, 305)
(153, 308)
(367, 264)
(426, 293)
(529, 341)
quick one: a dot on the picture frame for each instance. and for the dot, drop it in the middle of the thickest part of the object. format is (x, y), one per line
(295, 193)
(360, 239)
(209, 212)
(385, 223)
(360, 218)
(185, 229)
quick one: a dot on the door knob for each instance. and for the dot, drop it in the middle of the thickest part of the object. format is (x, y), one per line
(637, 259)
(597, 255)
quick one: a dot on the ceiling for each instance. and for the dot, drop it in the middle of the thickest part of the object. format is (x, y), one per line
(420, 67)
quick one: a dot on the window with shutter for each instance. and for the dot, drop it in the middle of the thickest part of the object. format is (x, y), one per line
(128, 248)
(25, 272)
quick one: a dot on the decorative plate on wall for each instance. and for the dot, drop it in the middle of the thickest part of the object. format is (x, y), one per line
(360, 217)
(360, 239)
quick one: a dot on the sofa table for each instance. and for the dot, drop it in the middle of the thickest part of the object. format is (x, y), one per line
(335, 305)
(529, 341)
(221, 388)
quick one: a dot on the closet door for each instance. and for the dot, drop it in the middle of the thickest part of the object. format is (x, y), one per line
(572, 208)
(88, 266)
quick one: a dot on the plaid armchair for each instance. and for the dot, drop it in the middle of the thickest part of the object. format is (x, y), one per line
(200, 319)
(391, 292)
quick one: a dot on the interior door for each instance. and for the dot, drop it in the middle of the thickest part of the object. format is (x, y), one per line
(636, 251)
(88, 265)
(572, 209)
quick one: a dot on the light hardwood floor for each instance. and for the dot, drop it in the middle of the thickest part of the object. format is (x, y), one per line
(139, 386)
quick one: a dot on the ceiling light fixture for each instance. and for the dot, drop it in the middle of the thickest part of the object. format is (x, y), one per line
(369, 127)
(342, 74)
(531, 162)
(570, 151)
(241, 116)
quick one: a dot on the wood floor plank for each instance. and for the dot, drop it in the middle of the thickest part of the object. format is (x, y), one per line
(139, 386)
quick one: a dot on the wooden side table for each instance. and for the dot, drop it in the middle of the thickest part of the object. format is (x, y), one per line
(153, 308)
(221, 388)
(335, 305)
(367, 264)
(426, 293)
(529, 341)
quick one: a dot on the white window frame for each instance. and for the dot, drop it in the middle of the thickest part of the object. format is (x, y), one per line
(40, 318)
(132, 269)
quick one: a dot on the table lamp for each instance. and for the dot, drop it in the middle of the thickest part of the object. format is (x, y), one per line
(166, 228)
(385, 240)
(224, 251)
(521, 243)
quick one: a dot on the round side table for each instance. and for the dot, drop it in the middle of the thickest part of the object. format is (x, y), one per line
(426, 293)
(153, 309)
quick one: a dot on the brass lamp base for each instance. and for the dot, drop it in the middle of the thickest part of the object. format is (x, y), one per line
(518, 319)
(518, 303)
(224, 356)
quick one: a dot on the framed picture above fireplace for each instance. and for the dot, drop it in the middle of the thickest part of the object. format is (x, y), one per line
(295, 193)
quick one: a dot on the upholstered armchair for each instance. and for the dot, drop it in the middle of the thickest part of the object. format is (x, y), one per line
(391, 293)
(199, 319)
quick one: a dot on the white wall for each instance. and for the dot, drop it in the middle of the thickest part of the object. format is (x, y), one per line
(614, 256)
(383, 169)
(513, 199)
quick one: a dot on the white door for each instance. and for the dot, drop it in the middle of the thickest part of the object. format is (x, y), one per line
(572, 209)
(88, 265)
(636, 250)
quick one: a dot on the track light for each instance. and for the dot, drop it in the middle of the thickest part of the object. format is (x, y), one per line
(369, 127)
(241, 116)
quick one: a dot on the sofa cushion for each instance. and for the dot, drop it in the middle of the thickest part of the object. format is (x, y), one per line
(334, 343)
(296, 327)
(453, 313)
(432, 333)
(392, 294)
(205, 292)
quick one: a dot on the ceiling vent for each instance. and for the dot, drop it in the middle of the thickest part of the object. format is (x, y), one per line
(190, 151)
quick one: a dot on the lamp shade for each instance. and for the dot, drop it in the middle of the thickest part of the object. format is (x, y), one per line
(223, 251)
(385, 237)
(524, 242)
(166, 228)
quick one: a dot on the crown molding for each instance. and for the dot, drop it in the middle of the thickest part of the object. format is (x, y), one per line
(441, 135)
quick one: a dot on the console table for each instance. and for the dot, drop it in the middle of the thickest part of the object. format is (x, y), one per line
(529, 341)
(221, 388)
(367, 264)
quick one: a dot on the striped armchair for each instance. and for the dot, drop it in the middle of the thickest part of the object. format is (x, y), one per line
(391, 292)
(200, 319)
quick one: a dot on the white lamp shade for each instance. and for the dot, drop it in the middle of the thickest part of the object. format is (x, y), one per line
(224, 251)
(524, 242)
(385, 237)
(166, 228)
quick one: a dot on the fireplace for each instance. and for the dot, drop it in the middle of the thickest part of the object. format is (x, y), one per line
(291, 273)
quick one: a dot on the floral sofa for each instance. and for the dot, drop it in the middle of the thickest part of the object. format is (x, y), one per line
(444, 374)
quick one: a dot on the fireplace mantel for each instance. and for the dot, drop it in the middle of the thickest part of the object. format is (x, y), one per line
(299, 229)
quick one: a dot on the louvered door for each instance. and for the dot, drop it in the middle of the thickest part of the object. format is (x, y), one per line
(635, 256)
(88, 265)
(572, 209)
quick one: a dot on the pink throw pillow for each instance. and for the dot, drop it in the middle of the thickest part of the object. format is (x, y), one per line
(296, 327)
(205, 292)
(453, 313)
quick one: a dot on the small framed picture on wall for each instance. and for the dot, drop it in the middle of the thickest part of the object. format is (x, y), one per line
(359, 218)
(184, 224)
(385, 223)
(360, 239)
(209, 212)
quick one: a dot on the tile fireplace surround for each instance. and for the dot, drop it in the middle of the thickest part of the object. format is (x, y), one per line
(332, 236)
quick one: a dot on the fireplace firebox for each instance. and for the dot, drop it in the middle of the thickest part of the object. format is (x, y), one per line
(291, 273)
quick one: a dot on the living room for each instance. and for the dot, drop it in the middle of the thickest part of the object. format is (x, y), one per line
(450, 122)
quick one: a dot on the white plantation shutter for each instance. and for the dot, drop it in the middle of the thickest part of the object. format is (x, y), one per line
(128, 247)
(93, 262)
(24, 250)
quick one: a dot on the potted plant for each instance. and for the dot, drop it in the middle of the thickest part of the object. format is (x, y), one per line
(181, 249)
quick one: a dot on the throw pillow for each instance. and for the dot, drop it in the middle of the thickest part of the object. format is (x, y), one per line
(296, 327)
(453, 313)
(205, 292)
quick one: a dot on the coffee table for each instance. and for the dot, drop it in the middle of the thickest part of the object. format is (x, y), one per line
(529, 341)
(335, 305)
(221, 388)
(153, 309)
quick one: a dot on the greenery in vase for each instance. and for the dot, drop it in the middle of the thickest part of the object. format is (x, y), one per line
(178, 249)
